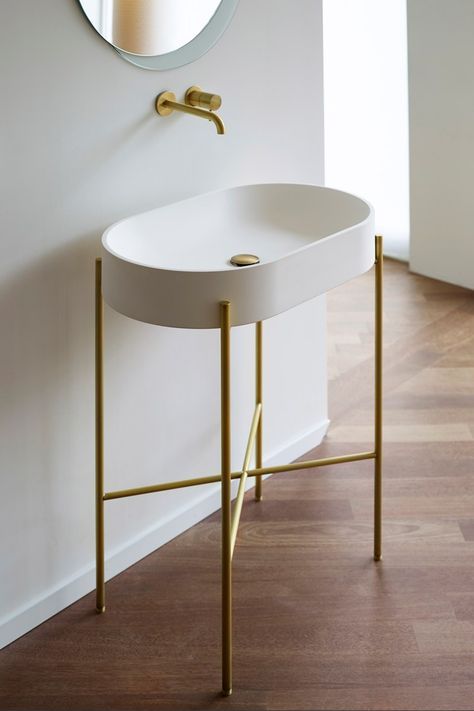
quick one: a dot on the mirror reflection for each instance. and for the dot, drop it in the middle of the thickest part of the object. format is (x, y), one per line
(149, 27)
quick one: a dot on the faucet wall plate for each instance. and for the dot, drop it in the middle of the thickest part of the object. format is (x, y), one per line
(161, 100)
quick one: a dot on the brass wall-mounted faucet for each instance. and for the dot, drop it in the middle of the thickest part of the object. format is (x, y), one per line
(196, 102)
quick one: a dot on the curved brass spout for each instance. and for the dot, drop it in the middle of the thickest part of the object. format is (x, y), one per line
(166, 103)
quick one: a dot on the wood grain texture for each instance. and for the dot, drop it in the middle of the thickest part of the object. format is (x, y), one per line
(317, 624)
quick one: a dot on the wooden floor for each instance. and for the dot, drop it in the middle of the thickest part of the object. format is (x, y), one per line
(318, 625)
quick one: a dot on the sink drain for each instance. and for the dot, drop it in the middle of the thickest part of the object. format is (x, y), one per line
(244, 260)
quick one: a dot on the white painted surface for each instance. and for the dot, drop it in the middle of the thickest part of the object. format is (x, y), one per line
(441, 79)
(366, 110)
(121, 557)
(171, 266)
(81, 148)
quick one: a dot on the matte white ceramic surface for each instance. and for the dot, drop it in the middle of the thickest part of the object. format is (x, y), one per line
(171, 266)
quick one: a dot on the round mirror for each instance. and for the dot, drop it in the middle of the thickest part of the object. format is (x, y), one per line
(160, 34)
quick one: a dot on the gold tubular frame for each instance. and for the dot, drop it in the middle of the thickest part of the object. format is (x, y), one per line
(378, 410)
(230, 518)
(99, 439)
(226, 502)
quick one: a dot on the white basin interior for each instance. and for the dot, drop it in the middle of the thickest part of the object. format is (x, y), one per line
(171, 265)
(202, 233)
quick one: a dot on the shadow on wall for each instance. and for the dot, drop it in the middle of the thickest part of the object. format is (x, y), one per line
(47, 418)
(46, 409)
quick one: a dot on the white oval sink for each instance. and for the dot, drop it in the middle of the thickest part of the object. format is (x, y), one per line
(171, 266)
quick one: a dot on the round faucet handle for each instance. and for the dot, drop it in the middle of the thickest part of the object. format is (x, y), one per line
(195, 96)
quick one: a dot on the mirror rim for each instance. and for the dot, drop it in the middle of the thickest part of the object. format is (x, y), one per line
(189, 52)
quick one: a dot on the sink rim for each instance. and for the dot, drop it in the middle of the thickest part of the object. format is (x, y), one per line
(105, 240)
(317, 239)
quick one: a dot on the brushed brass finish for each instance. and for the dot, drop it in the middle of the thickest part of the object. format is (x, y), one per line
(197, 481)
(195, 96)
(99, 438)
(378, 397)
(259, 401)
(226, 497)
(161, 103)
(230, 522)
(244, 260)
(311, 464)
(241, 491)
(166, 103)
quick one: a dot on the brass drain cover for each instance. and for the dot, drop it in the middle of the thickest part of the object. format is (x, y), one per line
(244, 260)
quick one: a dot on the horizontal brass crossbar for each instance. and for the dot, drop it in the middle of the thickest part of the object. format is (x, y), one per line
(294, 466)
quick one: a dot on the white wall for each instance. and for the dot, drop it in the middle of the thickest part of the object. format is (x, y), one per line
(366, 110)
(81, 148)
(441, 81)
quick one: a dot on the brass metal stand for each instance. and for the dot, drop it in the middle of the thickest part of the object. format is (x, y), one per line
(226, 503)
(99, 439)
(378, 410)
(231, 517)
(258, 399)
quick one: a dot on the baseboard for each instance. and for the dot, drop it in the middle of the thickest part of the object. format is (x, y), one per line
(83, 582)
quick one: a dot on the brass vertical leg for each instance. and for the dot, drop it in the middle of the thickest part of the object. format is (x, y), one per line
(378, 398)
(258, 400)
(226, 502)
(99, 438)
